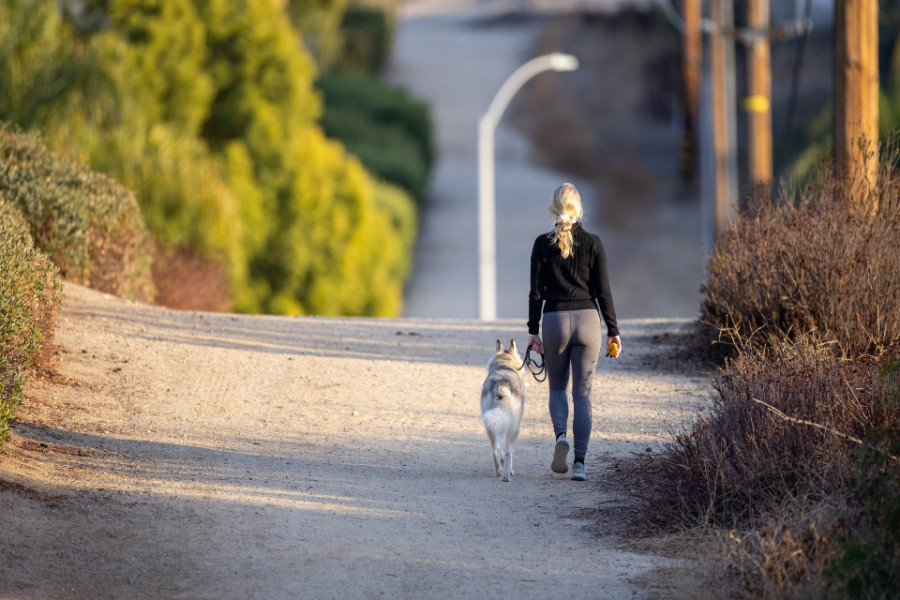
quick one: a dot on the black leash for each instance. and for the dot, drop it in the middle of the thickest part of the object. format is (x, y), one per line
(533, 366)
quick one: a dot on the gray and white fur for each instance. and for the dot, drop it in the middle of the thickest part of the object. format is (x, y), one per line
(502, 404)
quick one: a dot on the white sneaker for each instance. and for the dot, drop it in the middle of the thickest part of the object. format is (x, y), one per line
(579, 473)
(559, 455)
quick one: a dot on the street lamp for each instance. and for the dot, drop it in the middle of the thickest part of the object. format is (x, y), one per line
(487, 234)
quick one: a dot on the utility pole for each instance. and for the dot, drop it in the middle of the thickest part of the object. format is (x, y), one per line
(856, 94)
(722, 97)
(692, 62)
(759, 93)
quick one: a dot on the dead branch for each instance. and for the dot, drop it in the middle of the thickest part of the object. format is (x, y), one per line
(810, 423)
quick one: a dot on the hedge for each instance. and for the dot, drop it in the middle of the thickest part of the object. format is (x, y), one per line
(87, 224)
(29, 296)
(385, 127)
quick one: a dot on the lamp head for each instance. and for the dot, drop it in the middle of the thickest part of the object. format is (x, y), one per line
(563, 62)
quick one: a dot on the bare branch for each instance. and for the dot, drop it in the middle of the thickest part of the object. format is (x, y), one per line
(810, 423)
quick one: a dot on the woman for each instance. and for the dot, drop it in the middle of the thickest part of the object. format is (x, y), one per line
(569, 282)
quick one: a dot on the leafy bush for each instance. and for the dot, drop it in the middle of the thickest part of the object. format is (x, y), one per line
(385, 127)
(395, 203)
(203, 108)
(29, 295)
(88, 225)
(869, 564)
(367, 34)
(319, 24)
(334, 258)
(820, 262)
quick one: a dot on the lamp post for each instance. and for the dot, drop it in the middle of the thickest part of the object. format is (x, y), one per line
(487, 228)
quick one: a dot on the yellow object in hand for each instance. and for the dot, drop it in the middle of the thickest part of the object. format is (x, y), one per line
(612, 349)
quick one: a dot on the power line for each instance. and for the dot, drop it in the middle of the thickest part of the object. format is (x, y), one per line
(745, 35)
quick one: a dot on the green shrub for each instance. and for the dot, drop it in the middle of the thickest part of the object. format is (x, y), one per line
(387, 129)
(384, 104)
(367, 38)
(386, 151)
(339, 250)
(319, 24)
(396, 204)
(869, 565)
(820, 262)
(29, 295)
(88, 225)
(207, 110)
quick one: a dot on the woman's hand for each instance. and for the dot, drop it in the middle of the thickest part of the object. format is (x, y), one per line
(535, 342)
(614, 339)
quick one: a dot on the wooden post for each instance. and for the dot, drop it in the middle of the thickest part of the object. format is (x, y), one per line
(722, 96)
(856, 94)
(692, 61)
(759, 94)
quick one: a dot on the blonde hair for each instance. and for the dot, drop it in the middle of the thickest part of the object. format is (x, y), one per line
(565, 210)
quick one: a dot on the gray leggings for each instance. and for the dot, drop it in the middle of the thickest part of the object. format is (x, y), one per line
(572, 338)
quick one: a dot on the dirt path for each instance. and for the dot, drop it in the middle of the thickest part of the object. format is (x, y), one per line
(220, 456)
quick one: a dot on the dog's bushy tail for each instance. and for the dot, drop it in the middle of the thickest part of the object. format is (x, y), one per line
(497, 418)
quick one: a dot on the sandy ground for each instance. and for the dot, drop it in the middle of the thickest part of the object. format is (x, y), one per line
(191, 455)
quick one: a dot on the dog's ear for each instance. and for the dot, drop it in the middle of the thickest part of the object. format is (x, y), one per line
(499, 347)
(512, 346)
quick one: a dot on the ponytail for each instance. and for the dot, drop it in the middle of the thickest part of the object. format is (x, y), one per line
(562, 237)
(565, 210)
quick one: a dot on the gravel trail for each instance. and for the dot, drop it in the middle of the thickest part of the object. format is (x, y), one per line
(191, 455)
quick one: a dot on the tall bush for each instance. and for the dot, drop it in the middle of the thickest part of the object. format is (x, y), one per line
(319, 24)
(326, 246)
(816, 262)
(29, 294)
(207, 109)
(367, 33)
(386, 128)
(796, 462)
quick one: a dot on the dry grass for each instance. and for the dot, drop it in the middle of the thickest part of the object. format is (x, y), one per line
(815, 262)
(777, 500)
(795, 471)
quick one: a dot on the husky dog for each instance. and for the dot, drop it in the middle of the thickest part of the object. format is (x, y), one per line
(502, 403)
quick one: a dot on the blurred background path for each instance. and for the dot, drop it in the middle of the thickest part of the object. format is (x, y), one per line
(456, 54)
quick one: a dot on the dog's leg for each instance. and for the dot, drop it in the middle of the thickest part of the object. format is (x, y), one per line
(509, 447)
(495, 452)
(507, 463)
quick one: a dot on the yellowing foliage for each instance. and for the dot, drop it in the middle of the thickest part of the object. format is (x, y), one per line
(206, 108)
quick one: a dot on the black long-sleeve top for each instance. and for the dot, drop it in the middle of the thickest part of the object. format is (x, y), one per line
(575, 283)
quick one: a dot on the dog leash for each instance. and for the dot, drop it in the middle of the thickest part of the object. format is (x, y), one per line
(535, 368)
